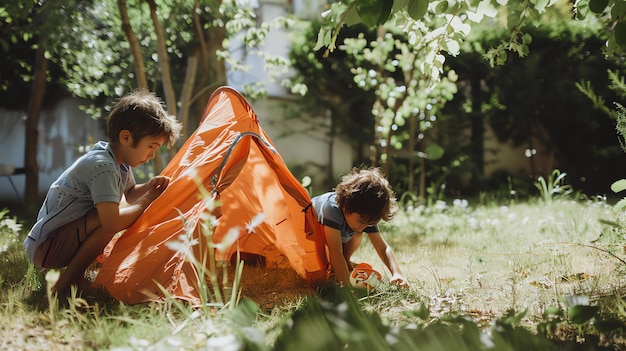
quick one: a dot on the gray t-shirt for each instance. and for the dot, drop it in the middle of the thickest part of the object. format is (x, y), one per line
(330, 215)
(91, 179)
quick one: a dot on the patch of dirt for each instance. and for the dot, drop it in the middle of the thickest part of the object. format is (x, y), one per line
(38, 335)
(269, 287)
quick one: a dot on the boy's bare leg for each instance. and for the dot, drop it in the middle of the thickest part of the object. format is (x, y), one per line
(86, 254)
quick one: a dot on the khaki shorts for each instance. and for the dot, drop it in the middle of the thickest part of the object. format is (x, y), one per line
(62, 244)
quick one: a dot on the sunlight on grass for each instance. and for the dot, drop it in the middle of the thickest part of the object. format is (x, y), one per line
(490, 259)
(483, 262)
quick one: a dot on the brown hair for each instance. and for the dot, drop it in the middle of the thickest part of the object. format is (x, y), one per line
(142, 113)
(368, 193)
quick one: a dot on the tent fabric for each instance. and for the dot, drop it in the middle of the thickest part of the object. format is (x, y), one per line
(229, 159)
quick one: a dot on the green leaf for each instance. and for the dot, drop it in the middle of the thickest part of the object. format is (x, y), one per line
(369, 11)
(385, 12)
(422, 312)
(619, 185)
(441, 7)
(527, 39)
(582, 9)
(618, 10)
(540, 5)
(512, 21)
(619, 205)
(598, 6)
(399, 5)
(351, 16)
(245, 312)
(417, 9)
(323, 38)
(581, 314)
(620, 33)
(501, 58)
(434, 152)
(609, 49)
(552, 311)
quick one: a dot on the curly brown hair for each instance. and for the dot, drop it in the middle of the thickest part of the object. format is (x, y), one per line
(141, 112)
(367, 192)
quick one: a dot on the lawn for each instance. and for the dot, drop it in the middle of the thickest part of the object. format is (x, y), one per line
(544, 273)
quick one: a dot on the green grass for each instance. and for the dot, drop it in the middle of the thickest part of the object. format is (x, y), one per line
(552, 268)
(524, 256)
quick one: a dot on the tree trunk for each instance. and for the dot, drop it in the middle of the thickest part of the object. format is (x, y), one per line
(185, 98)
(164, 61)
(412, 143)
(330, 172)
(140, 72)
(203, 45)
(38, 89)
(135, 50)
(211, 70)
(166, 77)
(387, 152)
(422, 192)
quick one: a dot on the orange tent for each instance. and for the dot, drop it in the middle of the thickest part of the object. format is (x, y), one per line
(232, 157)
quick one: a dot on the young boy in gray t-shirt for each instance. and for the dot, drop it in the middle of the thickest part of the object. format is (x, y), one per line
(82, 212)
(359, 202)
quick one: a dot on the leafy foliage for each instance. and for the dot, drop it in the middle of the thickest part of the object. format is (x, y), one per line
(617, 85)
(535, 99)
(517, 14)
(20, 23)
(342, 323)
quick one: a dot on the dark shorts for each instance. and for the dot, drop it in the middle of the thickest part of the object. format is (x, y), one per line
(62, 244)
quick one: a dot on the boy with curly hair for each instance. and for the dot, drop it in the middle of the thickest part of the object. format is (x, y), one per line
(82, 212)
(359, 202)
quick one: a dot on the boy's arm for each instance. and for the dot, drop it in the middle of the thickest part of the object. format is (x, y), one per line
(386, 254)
(335, 251)
(157, 183)
(114, 218)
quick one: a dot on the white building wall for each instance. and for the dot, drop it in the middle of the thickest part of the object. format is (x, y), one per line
(64, 133)
(308, 150)
(517, 160)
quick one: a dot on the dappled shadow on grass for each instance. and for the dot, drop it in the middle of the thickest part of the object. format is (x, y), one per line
(38, 301)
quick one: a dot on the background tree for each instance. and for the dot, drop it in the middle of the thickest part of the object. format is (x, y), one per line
(515, 16)
(408, 102)
(27, 32)
(520, 100)
(535, 98)
(104, 49)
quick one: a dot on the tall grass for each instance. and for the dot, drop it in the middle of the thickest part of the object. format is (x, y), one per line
(547, 273)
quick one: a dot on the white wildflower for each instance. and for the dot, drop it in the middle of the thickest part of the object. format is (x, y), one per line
(255, 222)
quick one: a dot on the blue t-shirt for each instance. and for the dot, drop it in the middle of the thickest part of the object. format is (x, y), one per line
(329, 214)
(91, 179)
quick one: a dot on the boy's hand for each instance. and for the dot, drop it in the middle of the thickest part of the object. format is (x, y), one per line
(159, 182)
(156, 186)
(399, 280)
